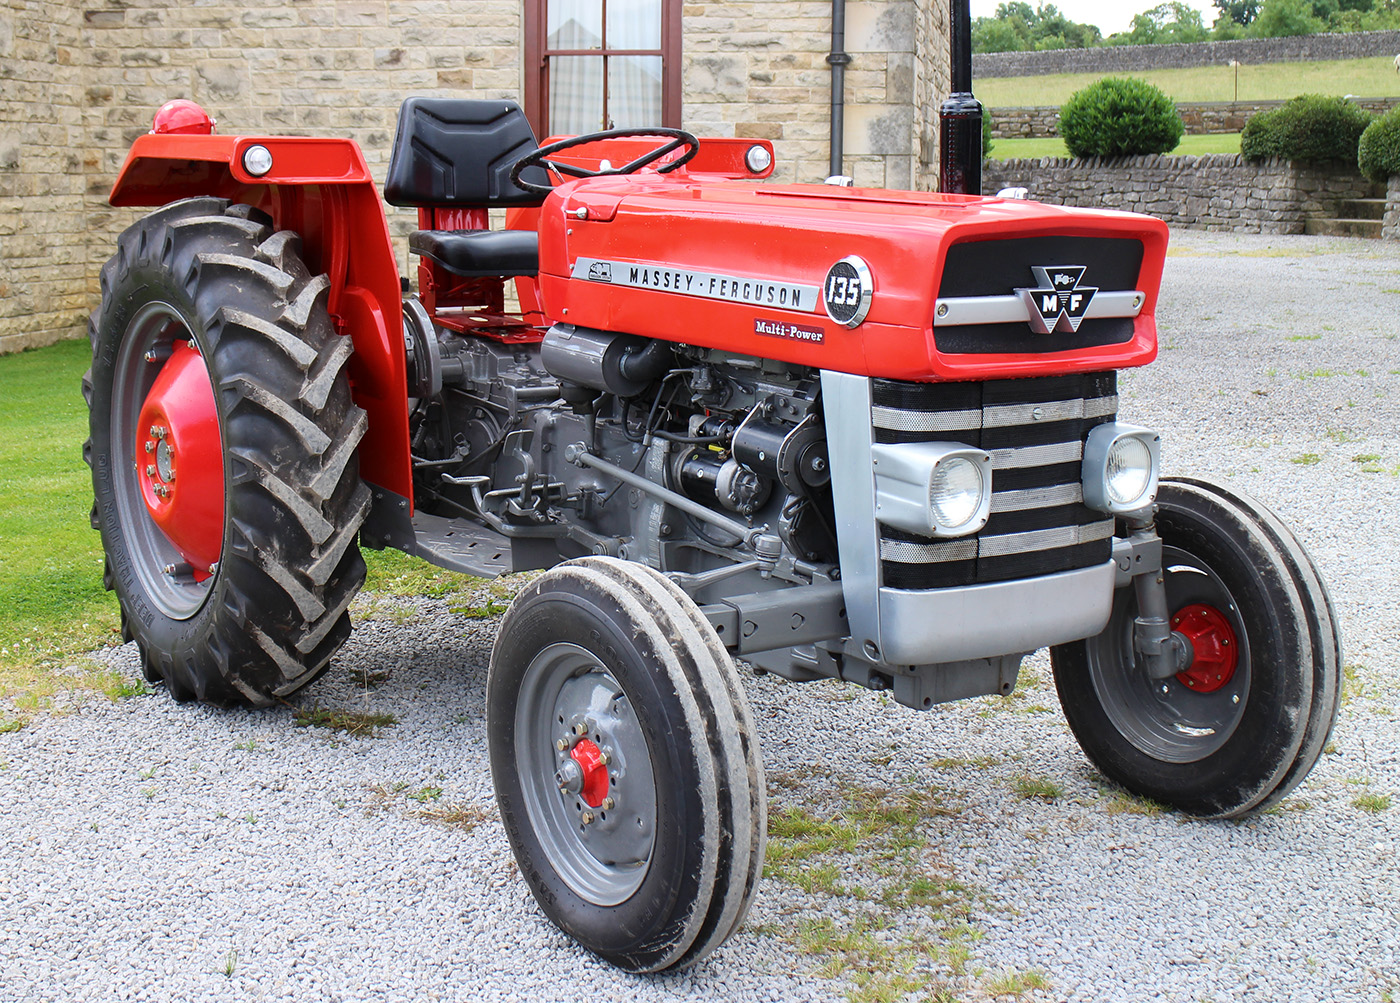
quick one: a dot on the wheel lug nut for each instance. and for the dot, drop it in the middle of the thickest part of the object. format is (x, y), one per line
(150, 447)
(604, 757)
(151, 355)
(587, 818)
(609, 804)
(158, 432)
(580, 729)
(562, 745)
(150, 470)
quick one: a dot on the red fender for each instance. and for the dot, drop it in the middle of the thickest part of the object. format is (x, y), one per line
(322, 189)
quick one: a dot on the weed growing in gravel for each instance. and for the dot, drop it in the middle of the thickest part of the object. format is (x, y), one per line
(1305, 337)
(352, 723)
(1013, 983)
(1028, 787)
(1122, 803)
(485, 611)
(1306, 459)
(11, 725)
(230, 963)
(369, 679)
(1372, 803)
(456, 816)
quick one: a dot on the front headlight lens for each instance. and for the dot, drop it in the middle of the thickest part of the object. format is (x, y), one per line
(955, 492)
(1129, 471)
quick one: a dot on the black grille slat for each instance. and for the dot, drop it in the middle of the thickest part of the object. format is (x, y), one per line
(994, 402)
(1009, 339)
(998, 267)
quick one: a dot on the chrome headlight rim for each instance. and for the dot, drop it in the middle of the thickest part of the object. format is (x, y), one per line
(1109, 444)
(907, 475)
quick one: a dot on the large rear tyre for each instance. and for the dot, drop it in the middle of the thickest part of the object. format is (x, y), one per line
(625, 764)
(1243, 722)
(223, 456)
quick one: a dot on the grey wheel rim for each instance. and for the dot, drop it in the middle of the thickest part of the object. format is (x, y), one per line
(1162, 717)
(567, 696)
(148, 340)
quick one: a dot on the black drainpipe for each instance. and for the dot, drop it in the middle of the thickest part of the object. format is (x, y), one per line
(838, 60)
(960, 118)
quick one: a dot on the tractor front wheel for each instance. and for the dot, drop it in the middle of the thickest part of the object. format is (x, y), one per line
(223, 454)
(625, 764)
(1245, 721)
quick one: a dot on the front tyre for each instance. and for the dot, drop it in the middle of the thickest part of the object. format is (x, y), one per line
(625, 765)
(222, 449)
(1229, 733)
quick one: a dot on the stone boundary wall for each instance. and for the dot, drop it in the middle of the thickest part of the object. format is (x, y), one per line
(1211, 193)
(1201, 118)
(1390, 229)
(1127, 58)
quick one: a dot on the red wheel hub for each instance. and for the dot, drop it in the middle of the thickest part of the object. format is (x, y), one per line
(1215, 644)
(595, 772)
(180, 459)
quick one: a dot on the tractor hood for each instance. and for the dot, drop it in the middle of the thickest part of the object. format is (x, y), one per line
(901, 285)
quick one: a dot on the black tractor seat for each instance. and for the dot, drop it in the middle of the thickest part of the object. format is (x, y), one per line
(480, 253)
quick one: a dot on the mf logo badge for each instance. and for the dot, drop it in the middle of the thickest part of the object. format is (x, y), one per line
(1059, 302)
(600, 271)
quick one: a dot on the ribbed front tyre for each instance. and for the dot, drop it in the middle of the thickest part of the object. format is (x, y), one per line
(223, 459)
(625, 764)
(1245, 721)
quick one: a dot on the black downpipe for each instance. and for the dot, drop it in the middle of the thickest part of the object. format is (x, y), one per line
(838, 60)
(960, 118)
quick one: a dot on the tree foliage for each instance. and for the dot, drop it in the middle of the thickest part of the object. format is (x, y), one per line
(1310, 128)
(1019, 27)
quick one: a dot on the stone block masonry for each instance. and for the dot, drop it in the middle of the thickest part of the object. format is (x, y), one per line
(1390, 228)
(1201, 118)
(1130, 58)
(1209, 193)
(79, 82)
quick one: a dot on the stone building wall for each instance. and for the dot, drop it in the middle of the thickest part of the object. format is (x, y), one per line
(1210, 193)
(758, 69)
(79, 82)
(1127, 58)
(1201, 118)
(43, 162)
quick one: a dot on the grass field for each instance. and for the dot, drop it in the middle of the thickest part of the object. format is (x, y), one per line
(52, 604)
(1372, 78)
(1190, 146)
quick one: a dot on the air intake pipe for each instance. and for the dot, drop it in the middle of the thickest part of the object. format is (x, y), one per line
(960, 117)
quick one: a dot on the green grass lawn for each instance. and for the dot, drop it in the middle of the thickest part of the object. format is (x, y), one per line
(52, 603)
(1370, 78)
(1190, 146)
(51, 596)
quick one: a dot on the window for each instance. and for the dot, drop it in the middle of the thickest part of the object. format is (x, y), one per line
(602, 64)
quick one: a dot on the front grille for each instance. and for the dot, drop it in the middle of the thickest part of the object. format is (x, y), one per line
(1034, 430)
(999, 267)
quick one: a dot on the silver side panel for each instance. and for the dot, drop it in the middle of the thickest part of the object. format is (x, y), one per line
(949, 625)
(849, 438)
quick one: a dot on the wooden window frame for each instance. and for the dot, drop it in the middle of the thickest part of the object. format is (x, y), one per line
(538, 54)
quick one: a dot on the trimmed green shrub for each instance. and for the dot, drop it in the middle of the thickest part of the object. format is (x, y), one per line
(1308, 128)
(1120, 117)
(1379, 151)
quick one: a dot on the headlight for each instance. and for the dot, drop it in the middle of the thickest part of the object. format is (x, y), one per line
(937, 489)
(1121, 468)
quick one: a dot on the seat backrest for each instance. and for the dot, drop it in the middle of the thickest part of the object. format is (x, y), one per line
(452, 152)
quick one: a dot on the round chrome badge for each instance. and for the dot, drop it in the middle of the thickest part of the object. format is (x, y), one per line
(848, 290)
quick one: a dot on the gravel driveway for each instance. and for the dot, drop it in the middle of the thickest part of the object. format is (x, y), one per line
(156, 851)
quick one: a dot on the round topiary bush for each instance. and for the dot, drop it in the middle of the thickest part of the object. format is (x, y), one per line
(1120, 117)
(1379, 151)
(1307, 128)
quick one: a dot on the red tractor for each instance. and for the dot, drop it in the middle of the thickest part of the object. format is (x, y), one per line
(837, 433)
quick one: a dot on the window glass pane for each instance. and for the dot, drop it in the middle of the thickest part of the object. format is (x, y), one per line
(634, 24)
(575, 95)
(575, 24)
(634, 91)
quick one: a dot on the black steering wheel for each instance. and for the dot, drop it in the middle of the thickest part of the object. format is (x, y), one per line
(540, 158)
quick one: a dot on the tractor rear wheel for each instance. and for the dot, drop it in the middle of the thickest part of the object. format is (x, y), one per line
(223, 458)
(1239, 727)
(625, 764)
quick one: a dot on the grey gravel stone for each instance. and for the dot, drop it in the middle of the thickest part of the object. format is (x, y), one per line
(154, 851)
